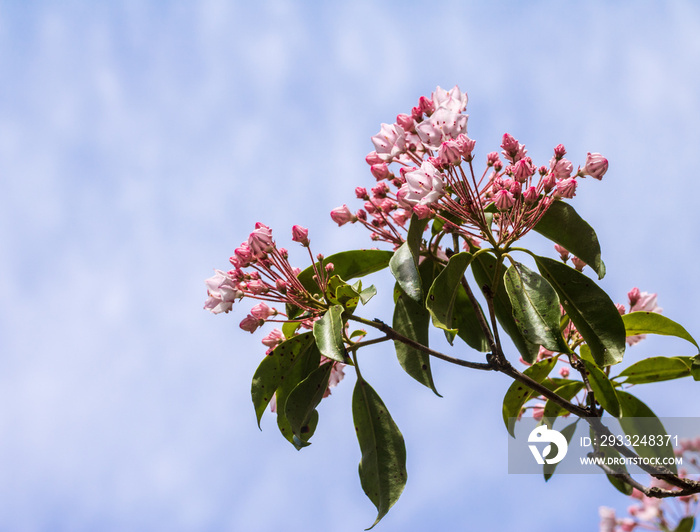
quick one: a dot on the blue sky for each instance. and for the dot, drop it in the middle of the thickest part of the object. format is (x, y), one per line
(141, 141)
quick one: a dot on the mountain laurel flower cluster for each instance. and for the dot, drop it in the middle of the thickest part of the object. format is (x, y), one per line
(424, 165)
(451, 220)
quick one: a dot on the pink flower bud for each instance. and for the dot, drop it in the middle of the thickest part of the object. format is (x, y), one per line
(373, 158)
(330, 267)
(406, 122)
(633, 296)
(261, 311)
(596, 165)
(548, 183)
(380, 171)
(561, 168)
(620, 308)
(449, 154)
(250, 323)
(492, 158)
(564, 372)
(530, 196)
(274, 338)
(388, 205)
(563, 252)
(361, 215)
(300, 234)
(281, 286)
(257, 287)
(566, 188)
(422, 211)
(401, 216)
(578, 263)
(466, 146)
(342, 215)
(260, 240)
(559, 151)
(380, 191)
(512, 149)
(523, 169)
(538, 411)
(417, 114)
(361, 193)
(244, 254)
(504, 200)
(426, 105)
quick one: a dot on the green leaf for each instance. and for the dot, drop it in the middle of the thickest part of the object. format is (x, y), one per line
(275, 367)
(693, 365)
(562, 224)
(518, 394)
(536, 308)
(653, 323)
(633, 408)
(367, 294)
(685, 525)
(467, 324)
(328, 332)
(443, 292)
(304, 398)
(348, 265)
(568, 432)
(594, 314)
(566, 391)
(412, 320)
(383, 465)
(603, 389)
(485, 274)
(612, 455)
(404, 268)
(339, 292)
(656, 369)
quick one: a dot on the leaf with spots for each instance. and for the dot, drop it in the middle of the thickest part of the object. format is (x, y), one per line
(302, 402)
(382, 467)
(275, 367)
(518, 394)
(603, 389)
(328, 332)
(654, 323)
(594, 314)
(657, 369)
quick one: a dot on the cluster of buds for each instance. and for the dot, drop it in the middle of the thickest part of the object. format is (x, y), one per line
(436, 178)
(261, 271)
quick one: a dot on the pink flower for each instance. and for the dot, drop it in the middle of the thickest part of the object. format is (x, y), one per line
(342, 215)
(564, 372)
(512, 149)
(250, 323)
(441, 126)
(449, 153)
(261, 311)
(337, 374)
(260, 240)
(504, 200)
(300, 234)
(243, 254)
(423, 186)
(426, 106)
(406, 122)
(538, 411)
(566, 188)
(492, 159)
(453, 100)
(559, 151)
(607, 519)
(257, 287)
(596, 165)
(222, 292)
(530, 196)
(373, 158)
(361, 193)
(274, 338)
(389, 142)
(422, 211)
(466, 146)
(641, 302)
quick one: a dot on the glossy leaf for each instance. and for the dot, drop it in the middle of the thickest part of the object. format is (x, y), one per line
(404, 268)
(566, 391)
(536, 309)
(383, 464)
(518, 394)
(412, 320)
(467, 324)
(603, 389)
(486, 276)
(328, 332)
(367, 294)
(594, 314)
(563, 225)
(348, 265)
(632, 408)
(654, 323)
(685, 525)
(275, 367)
(656, 369)
(568, 432)
(303, 400)
(442, 295)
